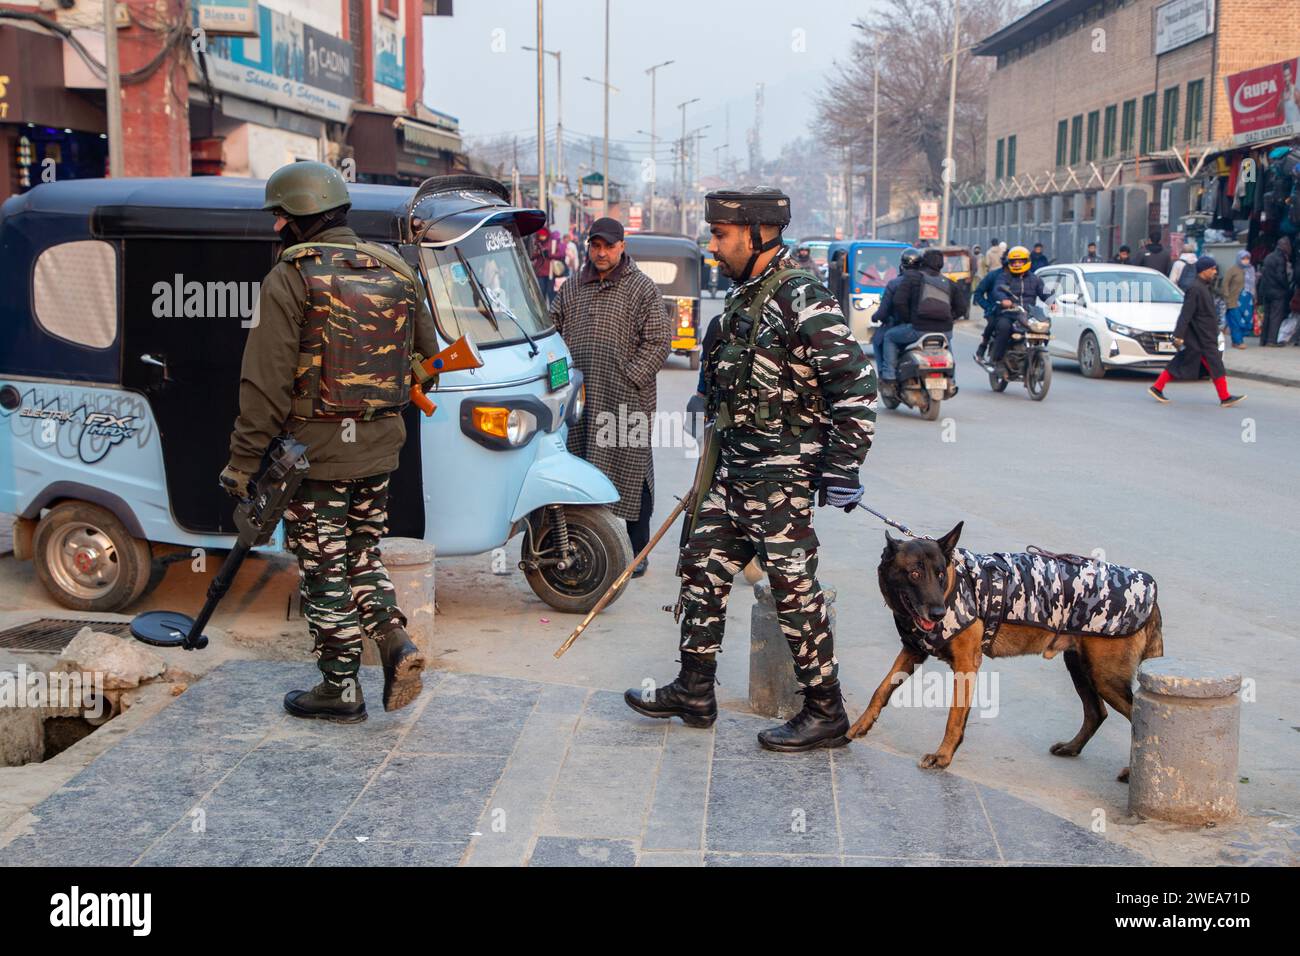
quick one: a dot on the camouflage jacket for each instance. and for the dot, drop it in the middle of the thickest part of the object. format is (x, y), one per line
(1061, 596)
(810, 408)
(270, 365)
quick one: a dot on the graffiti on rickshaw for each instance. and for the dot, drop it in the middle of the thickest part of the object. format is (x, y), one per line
(79, 424)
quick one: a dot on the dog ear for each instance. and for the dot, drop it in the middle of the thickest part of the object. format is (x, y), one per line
(949, 540)
(891, 545)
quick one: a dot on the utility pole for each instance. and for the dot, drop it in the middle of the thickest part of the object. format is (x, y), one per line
(604, 204)
(682, 161)
(543, 197)
(849, 197)
(952, 110)
(875, 125)
(562, 174)
(654, 156)
(113, 91)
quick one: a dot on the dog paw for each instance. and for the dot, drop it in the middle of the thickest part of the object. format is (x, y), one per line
(1123, 776)
(1064, 750)
(934, 762)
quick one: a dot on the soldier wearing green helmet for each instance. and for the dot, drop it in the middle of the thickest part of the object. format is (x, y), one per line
(329, 362)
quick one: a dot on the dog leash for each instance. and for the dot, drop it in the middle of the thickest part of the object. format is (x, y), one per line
(1067, 558)
(892, 523)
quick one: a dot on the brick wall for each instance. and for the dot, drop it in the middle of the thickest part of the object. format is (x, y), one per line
(1075, 75)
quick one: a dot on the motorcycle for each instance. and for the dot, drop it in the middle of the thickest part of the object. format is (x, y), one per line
(926, 373)
(1026, 359)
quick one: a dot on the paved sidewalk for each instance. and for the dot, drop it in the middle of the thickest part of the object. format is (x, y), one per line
(499, 771)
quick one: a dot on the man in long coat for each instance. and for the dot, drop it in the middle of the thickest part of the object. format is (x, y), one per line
(612, 318)
(1197, 337)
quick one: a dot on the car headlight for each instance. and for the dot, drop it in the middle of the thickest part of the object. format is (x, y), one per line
(513, 425)
(1120, 329)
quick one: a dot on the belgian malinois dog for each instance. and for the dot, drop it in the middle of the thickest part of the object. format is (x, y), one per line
(919, 578)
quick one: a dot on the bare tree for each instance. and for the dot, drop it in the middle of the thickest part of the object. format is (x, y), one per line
(914, 79)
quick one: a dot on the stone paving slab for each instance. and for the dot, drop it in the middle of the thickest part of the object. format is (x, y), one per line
(493, 771)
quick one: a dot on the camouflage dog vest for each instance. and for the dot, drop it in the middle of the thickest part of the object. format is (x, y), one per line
(355, 352)
(1054, 593)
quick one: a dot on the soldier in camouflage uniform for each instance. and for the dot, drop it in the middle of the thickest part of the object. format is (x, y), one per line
(792, 398)
(329, 361)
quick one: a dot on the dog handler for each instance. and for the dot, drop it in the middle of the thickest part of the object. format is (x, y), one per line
(330, 362)
(792, 398)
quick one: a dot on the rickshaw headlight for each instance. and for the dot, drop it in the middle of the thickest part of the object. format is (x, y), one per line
(579, 404)
(685, 313)
(515, 425)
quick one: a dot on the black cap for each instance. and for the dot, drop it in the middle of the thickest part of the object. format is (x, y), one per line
(752, 205)
(611, 230)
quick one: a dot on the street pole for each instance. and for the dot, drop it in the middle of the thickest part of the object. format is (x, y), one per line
(952, 110)
(561, 173)
(113, 91)
(604, 204)
(542, 195)
(875, 124)
(654, 156)
(681, 159)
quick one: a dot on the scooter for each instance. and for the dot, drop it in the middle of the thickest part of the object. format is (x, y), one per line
(1026, 359)
(926, 371)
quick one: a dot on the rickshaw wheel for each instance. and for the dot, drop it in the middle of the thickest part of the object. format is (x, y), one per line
(695, 360)
(87, 560)
(602, 552)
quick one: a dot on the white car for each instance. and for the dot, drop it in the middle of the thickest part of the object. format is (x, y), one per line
(1111, 316)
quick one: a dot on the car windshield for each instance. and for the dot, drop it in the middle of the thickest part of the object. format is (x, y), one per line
(502, 284)
(873, 267)
(1144, 286)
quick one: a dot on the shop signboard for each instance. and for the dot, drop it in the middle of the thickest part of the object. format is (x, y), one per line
(227, 17)
(929, 219)
(289, 64)
(1180, 22)
(1265, 102)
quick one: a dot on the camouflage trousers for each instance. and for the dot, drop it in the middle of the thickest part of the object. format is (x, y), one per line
(772, 520)
(334, 528)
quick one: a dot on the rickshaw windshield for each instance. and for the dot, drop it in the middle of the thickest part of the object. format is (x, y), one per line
(478, 283)
(955, 262)
(873, 267)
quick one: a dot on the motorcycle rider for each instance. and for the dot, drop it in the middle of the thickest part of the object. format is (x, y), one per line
(984, 299)
(1018, 286)
(925, 301)
(803, 260)
(885, 313)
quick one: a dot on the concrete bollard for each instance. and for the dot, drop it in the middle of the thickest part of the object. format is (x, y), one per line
(1183, 765)
(773, 690)
(410, 564)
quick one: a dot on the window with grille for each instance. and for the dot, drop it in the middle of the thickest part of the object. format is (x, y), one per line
(1108, 133)
(1195, 98)
(1148, 124)
(1011, 155)
(998, 160)
(1169, 128)
(1094, 122)
(1076, 139)
(1128, 128)
(1062, 133)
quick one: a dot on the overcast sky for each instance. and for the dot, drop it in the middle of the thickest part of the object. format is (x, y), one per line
(721, 49)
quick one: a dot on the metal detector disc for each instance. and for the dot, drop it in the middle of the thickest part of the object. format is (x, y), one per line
(164, 628)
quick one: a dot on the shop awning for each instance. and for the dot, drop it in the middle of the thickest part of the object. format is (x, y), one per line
(424, 138)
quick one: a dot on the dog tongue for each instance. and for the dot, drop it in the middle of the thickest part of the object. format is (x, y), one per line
(925, 625)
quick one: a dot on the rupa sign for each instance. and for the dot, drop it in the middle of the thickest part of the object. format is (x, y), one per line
(1264, 102)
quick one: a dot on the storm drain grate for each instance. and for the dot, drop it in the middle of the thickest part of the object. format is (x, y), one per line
(51, 635)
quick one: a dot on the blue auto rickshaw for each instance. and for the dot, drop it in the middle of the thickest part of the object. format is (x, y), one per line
(121, 339)
(857, 272)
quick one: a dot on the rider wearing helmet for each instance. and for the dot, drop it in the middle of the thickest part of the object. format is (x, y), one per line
(885, 313)
(925, 301)
(804, 260)
(1018, 286)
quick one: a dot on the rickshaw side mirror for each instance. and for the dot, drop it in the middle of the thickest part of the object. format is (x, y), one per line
(157, 370)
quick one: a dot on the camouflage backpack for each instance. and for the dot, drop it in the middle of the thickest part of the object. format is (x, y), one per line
(355, 351)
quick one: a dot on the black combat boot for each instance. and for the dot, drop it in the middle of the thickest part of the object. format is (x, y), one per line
(821, 723)
(403, 663)
(326, 701)
(689, 697)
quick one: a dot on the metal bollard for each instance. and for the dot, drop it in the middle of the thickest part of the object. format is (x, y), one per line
(1183, 765)
(410, 565)
(773, 691)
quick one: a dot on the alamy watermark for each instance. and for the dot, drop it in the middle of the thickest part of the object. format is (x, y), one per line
(63, 690)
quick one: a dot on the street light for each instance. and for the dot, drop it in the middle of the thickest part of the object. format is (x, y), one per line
(559, 111)
(952, 109)
(542, 197)
(654, 159)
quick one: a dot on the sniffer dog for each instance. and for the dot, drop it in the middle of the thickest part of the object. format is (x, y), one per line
(960, 607)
